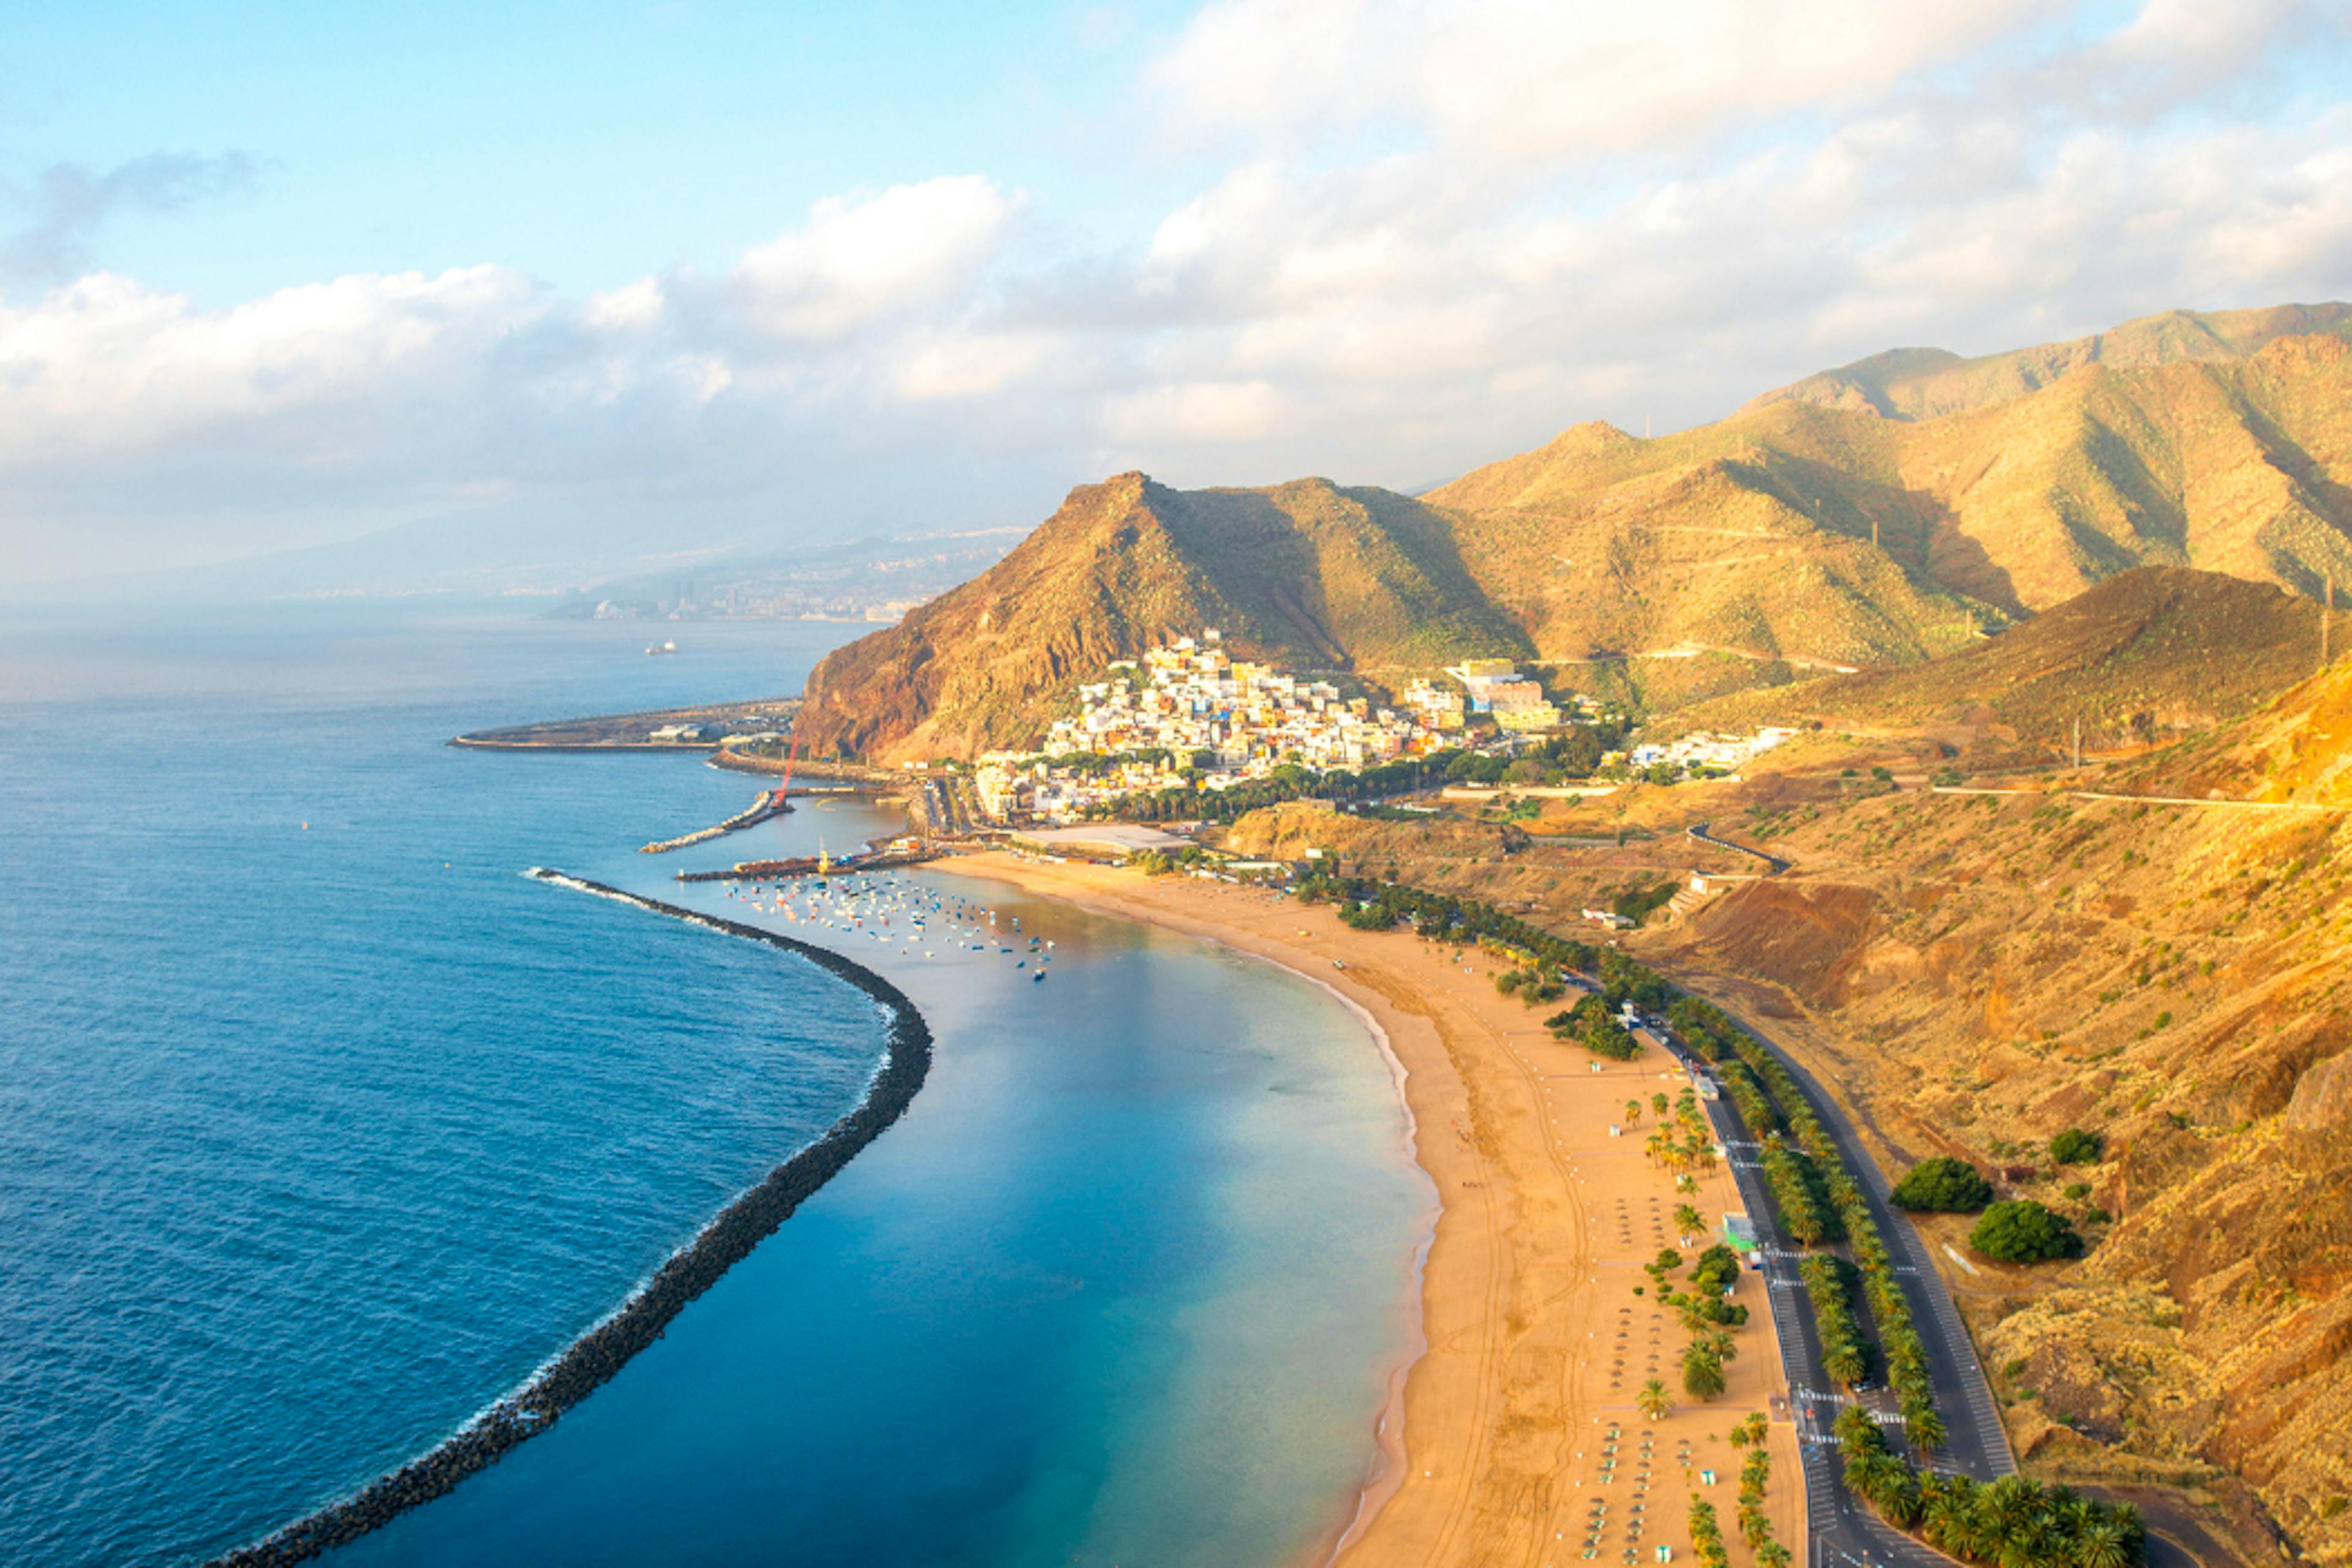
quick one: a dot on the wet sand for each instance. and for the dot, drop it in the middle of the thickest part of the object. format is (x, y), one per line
(1535, 1343)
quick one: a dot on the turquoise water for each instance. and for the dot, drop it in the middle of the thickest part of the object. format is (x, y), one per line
(315, 1139)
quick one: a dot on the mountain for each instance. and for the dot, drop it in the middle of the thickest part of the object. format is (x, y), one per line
(1306, 574)
(1923, 383)
(1792, 538)
(2147, 654)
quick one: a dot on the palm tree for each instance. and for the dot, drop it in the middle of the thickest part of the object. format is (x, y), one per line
(1772, 1555)
(2101, 1542)
(1926, 1430)
(1652, 1400)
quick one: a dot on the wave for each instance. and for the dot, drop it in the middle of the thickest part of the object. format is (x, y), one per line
(596, 1356)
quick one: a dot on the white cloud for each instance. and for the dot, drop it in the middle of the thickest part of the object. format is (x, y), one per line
(862, 260)
(1530, 80)
(1476, 280)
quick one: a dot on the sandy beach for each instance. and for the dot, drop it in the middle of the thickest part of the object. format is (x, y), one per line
(1520, 1441)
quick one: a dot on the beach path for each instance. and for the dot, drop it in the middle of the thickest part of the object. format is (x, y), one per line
(1521, 1442)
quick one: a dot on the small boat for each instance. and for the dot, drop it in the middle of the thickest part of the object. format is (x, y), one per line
(1039, 975)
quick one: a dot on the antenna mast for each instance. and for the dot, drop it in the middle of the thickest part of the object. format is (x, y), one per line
(791, 756)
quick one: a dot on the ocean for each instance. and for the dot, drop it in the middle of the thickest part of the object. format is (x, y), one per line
(320, 1126)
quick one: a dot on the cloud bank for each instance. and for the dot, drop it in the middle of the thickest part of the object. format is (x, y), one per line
(1434, 235)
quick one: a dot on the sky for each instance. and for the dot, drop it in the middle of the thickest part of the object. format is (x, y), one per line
(548, 287)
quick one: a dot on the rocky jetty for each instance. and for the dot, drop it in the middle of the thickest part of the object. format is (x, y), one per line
(604, 1349)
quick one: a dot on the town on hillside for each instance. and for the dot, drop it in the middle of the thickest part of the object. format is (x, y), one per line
(1188, 717)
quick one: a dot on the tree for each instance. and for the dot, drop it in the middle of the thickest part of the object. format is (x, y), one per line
(2024, 1231)
(2077, 1147)
(1702, 1372)
(1942, 1186)
(1926, 1430)
(1633, 1114)
(1687, 1220)
(1658, 1104)
(1652, 1400)
(1750, 1430)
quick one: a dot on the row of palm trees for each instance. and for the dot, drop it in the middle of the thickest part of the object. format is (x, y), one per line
(1755, 1524)
(2009, 1524)
(1844, 1354)
(2013, 1523)
(1804, 1174)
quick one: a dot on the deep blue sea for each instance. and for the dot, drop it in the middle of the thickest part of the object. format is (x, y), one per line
(320, 1126)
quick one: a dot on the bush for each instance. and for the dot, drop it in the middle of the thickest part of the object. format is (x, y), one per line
(1942, 1186)
(2077, 1147)
(1717, 1270)
(2023, 1231)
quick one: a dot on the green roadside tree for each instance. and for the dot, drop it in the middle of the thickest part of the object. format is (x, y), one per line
(1942, 1186)
(2024, 1231)
(1652, 1401)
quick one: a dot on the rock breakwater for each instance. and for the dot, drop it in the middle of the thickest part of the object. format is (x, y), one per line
(604, 1349)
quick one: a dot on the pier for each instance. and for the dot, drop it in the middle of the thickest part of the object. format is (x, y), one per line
(812, 866)
(770, 804)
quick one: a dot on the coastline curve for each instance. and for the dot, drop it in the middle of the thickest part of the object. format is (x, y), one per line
(594, 1357)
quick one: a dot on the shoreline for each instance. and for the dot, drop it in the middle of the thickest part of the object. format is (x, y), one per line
(1387, 1473)
(1519, 1285)
(595, 1357)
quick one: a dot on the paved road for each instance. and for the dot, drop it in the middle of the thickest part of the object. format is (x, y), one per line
(1843, 1534)
(1699, 830)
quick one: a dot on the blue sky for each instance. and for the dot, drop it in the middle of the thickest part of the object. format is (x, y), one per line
(596, 281)
(590, 143)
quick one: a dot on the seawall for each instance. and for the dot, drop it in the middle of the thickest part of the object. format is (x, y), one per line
(595, 1357)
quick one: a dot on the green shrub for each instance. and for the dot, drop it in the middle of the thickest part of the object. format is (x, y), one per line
(2077, 1147)
(1942, 1186)
(2023, 1231)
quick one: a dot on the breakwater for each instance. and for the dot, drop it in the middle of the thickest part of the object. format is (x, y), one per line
(759, 811)
(593, 1359)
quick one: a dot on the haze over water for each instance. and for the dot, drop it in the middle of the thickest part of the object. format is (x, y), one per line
(311, 1145)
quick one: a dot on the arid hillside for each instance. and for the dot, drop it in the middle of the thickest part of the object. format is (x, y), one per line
(1980, 972)
(1308, 573)
(2145, 657)
(1791, 540)
(1781, 530)
(1924, 383)
(2297, 748)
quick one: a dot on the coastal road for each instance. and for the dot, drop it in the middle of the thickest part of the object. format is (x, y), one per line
(1842, 1531)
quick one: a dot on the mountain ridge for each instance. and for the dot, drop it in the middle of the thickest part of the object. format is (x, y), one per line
(1794, 535)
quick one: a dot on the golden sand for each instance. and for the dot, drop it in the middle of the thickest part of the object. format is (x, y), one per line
(1537, 1343)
